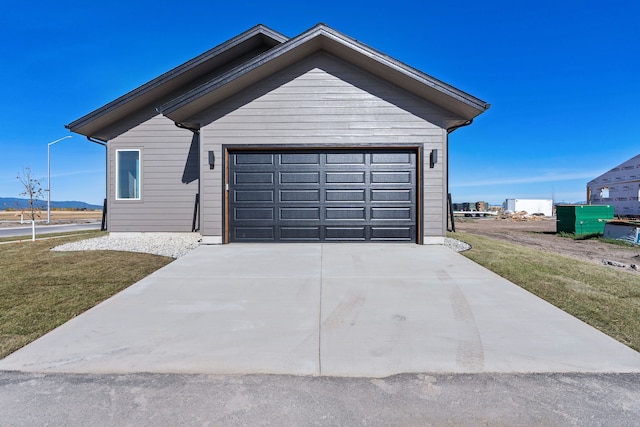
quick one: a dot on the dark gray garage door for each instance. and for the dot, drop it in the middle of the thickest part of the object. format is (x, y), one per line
(322, 196)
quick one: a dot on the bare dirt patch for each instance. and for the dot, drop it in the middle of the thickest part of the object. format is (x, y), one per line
(541, 234)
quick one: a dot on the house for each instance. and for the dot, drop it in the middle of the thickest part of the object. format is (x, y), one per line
(267, 138)
(619, 187)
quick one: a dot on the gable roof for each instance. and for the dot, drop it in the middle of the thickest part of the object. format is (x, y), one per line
(321, 37)
(140, 104)
(250, 57)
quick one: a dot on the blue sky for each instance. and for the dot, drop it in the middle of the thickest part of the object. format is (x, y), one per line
(563, 78)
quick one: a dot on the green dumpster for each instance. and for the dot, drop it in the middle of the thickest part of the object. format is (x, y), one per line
(583, 219)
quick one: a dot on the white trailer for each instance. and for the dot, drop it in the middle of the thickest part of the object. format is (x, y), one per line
(619, 187)
(530, 206)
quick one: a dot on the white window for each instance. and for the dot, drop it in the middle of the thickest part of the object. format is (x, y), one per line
(604, 192)
(128, 174)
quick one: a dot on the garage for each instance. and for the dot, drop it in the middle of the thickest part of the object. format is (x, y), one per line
(322, 195)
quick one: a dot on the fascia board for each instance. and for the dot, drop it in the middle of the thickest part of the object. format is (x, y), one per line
(157, 87)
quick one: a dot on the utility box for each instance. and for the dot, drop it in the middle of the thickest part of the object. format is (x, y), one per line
(583, 219)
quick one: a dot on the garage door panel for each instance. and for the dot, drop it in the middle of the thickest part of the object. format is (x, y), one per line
(324, 195)
(300, 159)
(255, 159)
(345, 195)
(300, 195)
(391, 213)
(300, 233)
(252, 234)
(253, 214)
(250, 196)
(391, 158)
(345, 233)
(345, 177)
(345, 158)
(299, 214)
(300, 177)
(394, 195)
(392, 233)
(391, 177)
(346, 214)
(254, 178)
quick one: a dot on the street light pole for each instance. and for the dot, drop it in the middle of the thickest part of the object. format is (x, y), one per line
(49, 175)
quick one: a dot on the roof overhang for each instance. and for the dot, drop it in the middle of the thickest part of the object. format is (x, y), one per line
(127, 111)
(322, 38)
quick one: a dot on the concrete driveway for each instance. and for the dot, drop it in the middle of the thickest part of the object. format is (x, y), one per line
(357, 310)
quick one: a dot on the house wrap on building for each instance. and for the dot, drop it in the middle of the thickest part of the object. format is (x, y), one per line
(268, 138)
(619, 187)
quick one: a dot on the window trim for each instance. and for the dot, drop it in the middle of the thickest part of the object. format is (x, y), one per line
(117, 170)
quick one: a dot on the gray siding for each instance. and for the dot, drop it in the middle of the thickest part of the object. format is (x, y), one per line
(323, 100)
(169, 179)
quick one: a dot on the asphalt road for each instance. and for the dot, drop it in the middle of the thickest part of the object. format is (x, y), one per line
(47, 229)
(28, 399)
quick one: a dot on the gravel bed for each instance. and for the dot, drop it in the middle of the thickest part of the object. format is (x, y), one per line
(173, 245)
(456, 245)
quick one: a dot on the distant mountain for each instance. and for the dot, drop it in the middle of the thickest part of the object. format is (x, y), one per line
(15, 203)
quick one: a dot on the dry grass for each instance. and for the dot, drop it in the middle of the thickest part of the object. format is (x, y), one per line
(605, 298)
(55, 215)
(40, 289)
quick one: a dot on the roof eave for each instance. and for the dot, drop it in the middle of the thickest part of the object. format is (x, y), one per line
(110, 113)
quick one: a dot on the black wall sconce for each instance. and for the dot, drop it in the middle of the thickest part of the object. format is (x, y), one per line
(433, 158)
(212, 160)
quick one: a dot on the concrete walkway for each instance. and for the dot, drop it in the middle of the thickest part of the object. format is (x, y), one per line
(369, 310)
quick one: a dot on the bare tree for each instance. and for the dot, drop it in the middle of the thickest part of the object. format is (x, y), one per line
(32, 191)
